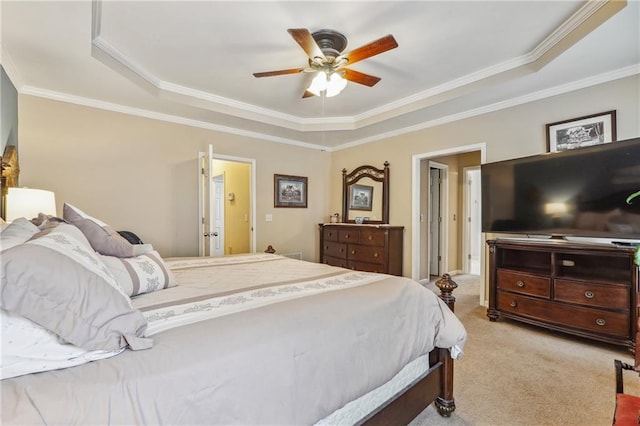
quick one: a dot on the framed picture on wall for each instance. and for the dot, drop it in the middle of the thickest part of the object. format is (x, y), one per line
(361, 196)
(289, 191)
(578, 132)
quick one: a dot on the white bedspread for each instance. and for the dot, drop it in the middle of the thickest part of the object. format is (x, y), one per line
(255, 339)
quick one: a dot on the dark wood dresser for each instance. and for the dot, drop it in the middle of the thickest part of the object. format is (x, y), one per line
(589, 290)
(371, 248)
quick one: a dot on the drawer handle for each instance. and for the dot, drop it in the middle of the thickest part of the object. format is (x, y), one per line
(589, 294)
(341, 250)
(520, 283)
(375, 254)
(513, 304)
(601, 322)
(370, 237)
(347, 236)
(353, 252)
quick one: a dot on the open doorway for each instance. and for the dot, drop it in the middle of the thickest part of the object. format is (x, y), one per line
(440, 245)
(437, 206)
(226, 205)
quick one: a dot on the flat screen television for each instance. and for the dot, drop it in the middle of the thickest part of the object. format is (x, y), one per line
(583, 192)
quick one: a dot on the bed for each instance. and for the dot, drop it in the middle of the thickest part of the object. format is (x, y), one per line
(243, 339)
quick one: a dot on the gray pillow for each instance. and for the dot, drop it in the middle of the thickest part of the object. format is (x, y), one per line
(140, 274)
(103, 238)
(57, 282)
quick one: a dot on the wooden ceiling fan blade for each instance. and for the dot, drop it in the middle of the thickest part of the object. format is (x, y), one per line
(359, 77)
(307, 94)
(368, 50)
(304, 38)
(279, 72)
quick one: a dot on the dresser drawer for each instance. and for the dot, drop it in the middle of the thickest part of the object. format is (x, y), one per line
(592, 294)
(330, 234)
(373, 237)
(349, 236)
(335, 249)
(334, 261)
(370, 254)
(595, 320)
(524, 283)
(366, 266)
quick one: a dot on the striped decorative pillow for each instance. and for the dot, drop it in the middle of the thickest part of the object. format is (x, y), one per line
(140, 274)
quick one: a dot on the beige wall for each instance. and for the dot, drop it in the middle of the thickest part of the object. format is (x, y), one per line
(514, 132)
(140, 174)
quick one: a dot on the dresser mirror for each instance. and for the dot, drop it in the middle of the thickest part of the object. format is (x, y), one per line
(365, 195)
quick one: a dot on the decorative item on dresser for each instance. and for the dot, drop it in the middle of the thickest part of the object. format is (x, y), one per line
(371, 248)
(586, 289)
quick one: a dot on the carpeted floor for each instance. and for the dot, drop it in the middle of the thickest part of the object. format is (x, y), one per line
(516, 374)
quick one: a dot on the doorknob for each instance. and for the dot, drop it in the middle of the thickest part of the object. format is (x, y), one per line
(210, 234)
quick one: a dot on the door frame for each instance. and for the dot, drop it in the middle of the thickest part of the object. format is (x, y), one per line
(443, 229)
(466, 229)
(416, 191)
(252, 194)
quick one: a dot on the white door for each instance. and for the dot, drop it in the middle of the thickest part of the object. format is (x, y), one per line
(206, 200)
(472, 229)
(435, 219)
(218, 215)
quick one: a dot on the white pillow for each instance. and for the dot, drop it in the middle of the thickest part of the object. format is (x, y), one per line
(30, 348)
(18, 232)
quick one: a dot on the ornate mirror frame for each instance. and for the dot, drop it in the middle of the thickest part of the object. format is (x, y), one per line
(377, 175)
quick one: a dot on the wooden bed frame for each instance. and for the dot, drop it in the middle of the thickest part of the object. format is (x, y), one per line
(436, 385)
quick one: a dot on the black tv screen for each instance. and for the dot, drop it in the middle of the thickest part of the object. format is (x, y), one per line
(583, 192)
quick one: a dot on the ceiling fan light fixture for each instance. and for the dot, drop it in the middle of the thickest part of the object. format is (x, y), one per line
(331, 86)
(336, 85)
(319, 83)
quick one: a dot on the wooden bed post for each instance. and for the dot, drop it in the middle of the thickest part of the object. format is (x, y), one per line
(445, 403)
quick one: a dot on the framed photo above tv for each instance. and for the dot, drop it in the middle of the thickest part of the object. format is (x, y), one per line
(579, 132)
(289, 191)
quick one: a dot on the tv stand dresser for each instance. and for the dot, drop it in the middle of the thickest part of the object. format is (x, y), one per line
(589, 290)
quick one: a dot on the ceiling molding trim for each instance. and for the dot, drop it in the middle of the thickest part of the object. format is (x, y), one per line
(531, 97)
(520, 65)
(525, 64)
(108, 106)
(558, 90)
(567, 27)
(584, 21)
(10, 68)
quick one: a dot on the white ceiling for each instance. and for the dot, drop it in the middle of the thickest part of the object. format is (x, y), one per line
(193, 62)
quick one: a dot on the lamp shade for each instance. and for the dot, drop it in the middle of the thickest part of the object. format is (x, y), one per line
(27, 202)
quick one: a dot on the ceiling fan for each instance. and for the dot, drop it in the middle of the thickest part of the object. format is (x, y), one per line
(326, 60)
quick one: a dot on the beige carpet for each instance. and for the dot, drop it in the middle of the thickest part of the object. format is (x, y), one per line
(515, 374)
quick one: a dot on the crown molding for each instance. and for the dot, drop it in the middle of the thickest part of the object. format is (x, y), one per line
(567, 34)
(139, 112)
(520, 100)
(542, 94)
